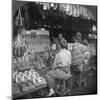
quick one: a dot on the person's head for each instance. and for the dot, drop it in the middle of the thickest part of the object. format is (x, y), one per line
(78, 36)
(53, 46)
(60, 35)
(63, 44)
(85, 42)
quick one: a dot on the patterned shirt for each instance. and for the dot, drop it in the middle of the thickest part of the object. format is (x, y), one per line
(77, 53)
(51, 57)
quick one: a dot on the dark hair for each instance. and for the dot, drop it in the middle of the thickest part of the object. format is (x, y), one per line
(78, 35)
(63, 43)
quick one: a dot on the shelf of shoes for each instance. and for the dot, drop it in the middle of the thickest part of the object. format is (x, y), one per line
(37, 42)
(28, 79)
(37, 47)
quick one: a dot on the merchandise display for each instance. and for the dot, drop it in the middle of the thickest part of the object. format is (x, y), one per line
(28, 79)
(32, 49)
(37, 41)
(47, 38)
(19, 46)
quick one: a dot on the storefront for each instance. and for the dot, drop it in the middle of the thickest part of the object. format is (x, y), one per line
(34, 26)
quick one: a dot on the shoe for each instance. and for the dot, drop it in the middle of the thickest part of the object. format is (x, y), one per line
(51, 93)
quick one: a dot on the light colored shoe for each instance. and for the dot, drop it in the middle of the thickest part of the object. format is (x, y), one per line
(51, 92)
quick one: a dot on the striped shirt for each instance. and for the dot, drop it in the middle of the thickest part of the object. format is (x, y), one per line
(77, 53)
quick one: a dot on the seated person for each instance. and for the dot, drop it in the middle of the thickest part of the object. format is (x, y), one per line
(52, 53)
(79, 52)
(60, 67)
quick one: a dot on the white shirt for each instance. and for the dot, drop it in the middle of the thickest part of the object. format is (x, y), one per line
(63, 59)
(65, 56)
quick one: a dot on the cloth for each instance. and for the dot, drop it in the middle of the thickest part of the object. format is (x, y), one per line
(52, 75)
(63, 60)
(65, 56)
(77, 53)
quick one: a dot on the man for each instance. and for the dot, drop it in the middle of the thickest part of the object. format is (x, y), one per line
(60, 67)
(78, 53)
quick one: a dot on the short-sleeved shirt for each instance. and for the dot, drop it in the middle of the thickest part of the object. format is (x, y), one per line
(77, 53)
(62, 59)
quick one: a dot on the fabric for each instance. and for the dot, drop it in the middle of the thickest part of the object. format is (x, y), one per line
(65, 56)
(62, 59)
(77, 53)
(52, 75)
(80, 56)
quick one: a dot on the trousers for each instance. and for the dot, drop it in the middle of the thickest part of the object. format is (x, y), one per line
(54, 74)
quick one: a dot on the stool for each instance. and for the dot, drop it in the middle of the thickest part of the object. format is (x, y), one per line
(64, 86)
(83, 79)
(80, 77)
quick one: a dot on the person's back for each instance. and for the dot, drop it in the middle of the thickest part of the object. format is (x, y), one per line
(77, 53)
(65, 56)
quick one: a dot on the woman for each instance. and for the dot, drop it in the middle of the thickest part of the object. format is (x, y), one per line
(60, 67)
(52, 53)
